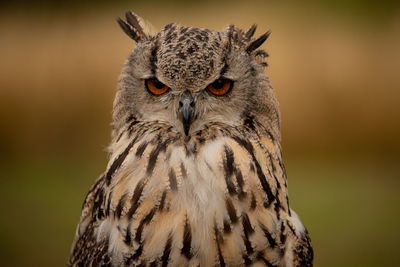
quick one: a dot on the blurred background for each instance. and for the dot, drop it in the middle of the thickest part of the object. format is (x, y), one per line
(335, 66)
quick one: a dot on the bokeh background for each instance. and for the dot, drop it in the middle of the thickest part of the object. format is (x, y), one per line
(335, 66)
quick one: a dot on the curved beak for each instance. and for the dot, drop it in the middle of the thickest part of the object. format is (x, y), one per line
(186, 110)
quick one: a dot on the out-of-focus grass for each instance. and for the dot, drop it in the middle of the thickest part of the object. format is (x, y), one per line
(40, 206)
(351, 211)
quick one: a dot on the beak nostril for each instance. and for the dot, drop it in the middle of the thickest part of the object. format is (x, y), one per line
(192, 104)
(180, 103)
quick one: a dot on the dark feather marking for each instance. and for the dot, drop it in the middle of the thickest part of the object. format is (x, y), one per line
(87, 250)
(227, 226)
(135, 256)
(154, 155)
(118, 162)
(201, 140)
(258, 42)
(168, 26)
(267, 132)
(98, 201)
(167, 251)
(231, 211)
(224, 68)
(94, 187)
(172, 180)
(268, 235)
(247, 260)
(162, 201)
(145, 220)
(303, 250)
(119, 136)
(128, 234)
(100, 214)
(263, 180)
(283, 236)
(120, 206)
(247, 230)
(208, 166)
(290, 227)
(130, 118)
(253, 202)
(252, 167)
(109, 203)
(271, 162)
(277, 209)
(274, 171)
(218, 235)
(187, 240)
(136, 198)
(141, 148)
(240, 182)
(277, 206)
(229, 168)
(266, 262)
(153, 58)
(249, 122)
(287, 202)
(220, 256)
(282, 166)
(253, 71)
(183, 170)
(199, 133)
(278, 185)
(154, 263)
(130, 127)
(194, 149)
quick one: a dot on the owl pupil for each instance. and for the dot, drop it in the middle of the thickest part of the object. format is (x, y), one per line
(158, 84)
(218, 84)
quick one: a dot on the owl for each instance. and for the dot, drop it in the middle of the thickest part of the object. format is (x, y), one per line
(195, 176)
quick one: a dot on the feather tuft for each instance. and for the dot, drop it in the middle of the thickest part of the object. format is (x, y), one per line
(258, 42)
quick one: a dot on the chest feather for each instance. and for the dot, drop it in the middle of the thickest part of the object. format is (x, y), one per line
(192, 202)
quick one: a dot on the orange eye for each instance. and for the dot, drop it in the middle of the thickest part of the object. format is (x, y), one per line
(220, 86)
(156, 87)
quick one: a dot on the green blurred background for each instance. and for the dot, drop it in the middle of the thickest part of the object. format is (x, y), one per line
(335, 66)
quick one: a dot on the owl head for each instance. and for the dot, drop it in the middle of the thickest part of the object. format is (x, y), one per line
(191, 78)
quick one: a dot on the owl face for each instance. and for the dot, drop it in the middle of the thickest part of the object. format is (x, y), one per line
(190, 78)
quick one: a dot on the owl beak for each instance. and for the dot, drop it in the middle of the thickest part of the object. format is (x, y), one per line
(186, 109)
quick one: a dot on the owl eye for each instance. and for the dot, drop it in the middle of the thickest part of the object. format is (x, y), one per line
(156, 87)
(220, 86)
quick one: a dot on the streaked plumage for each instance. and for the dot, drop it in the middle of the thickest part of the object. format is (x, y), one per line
(216, 196)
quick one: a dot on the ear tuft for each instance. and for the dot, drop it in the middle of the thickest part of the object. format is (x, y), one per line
(132, 26)
(251, 32)
(258, 42)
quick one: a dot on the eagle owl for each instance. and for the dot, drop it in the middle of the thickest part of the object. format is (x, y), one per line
(195, 176)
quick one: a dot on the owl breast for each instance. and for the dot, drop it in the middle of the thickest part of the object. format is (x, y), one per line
(183, 200)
